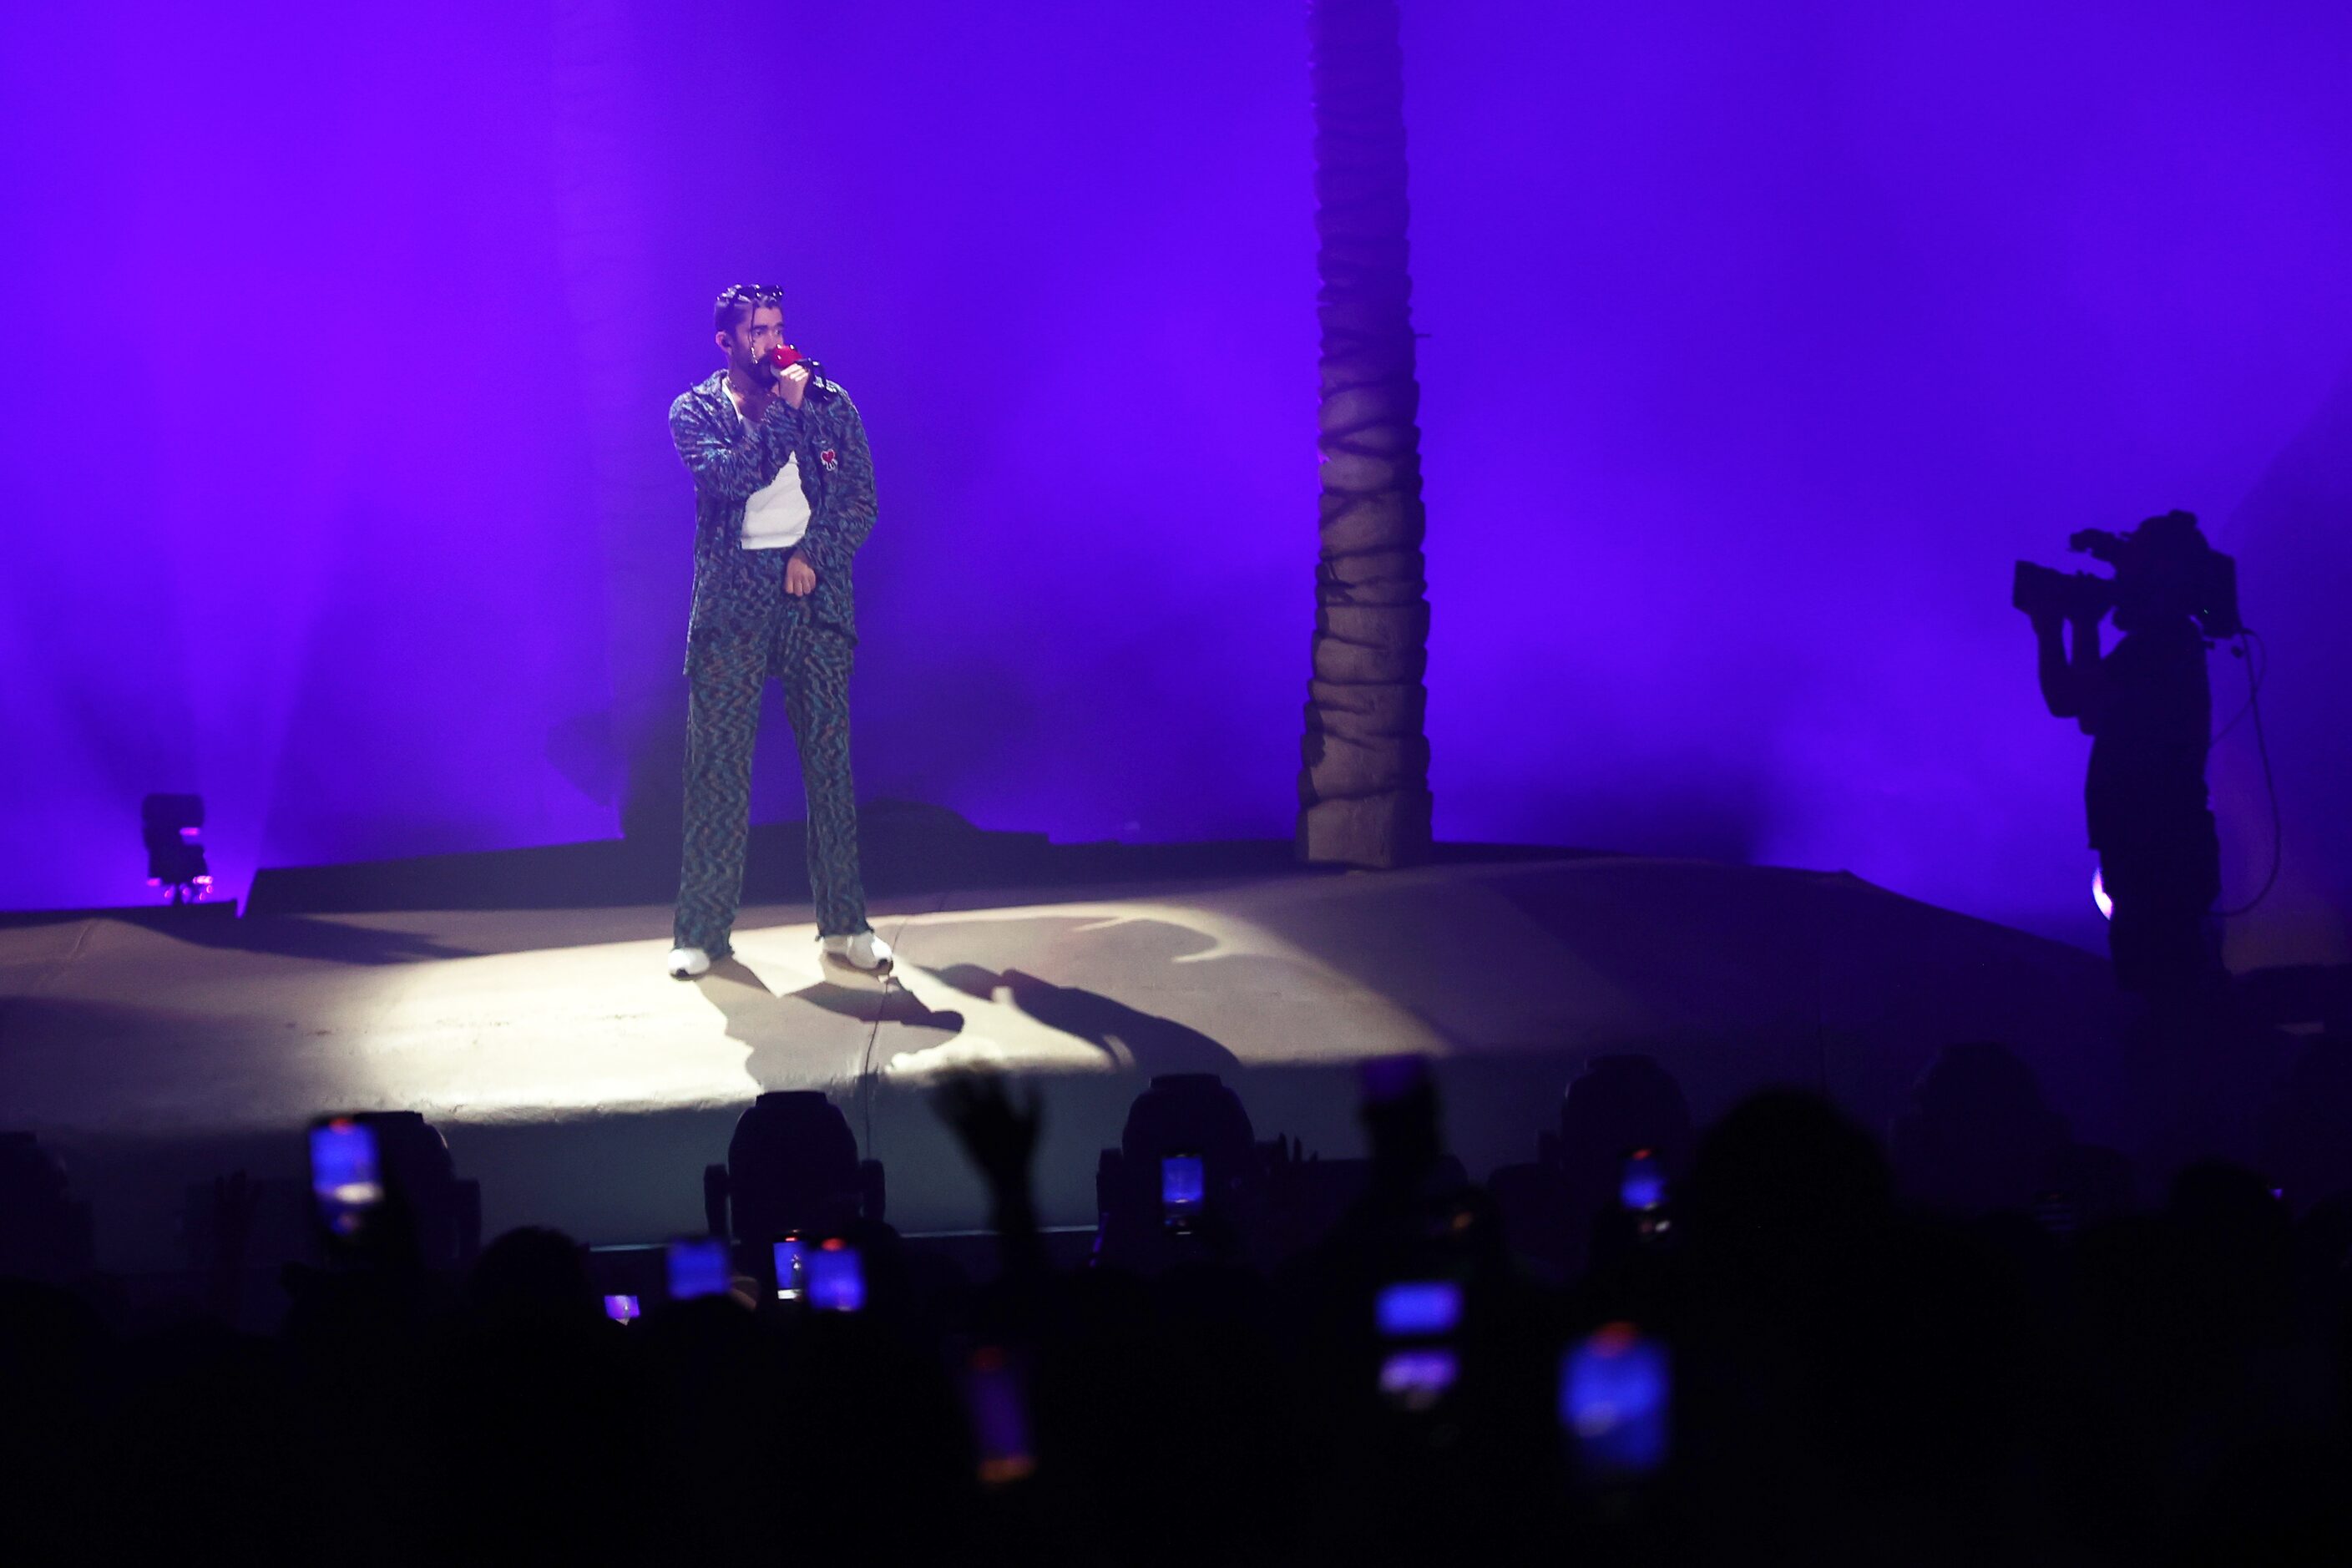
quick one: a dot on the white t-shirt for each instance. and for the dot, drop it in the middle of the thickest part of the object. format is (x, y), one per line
(775, 516)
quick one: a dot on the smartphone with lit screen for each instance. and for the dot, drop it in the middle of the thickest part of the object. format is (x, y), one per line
(1616, 1396)
(994, 1391)
(346, 1177)
(836, 1278)
(1183, 1191)
(792, 1267)
(1641, 1183)
(623, 1308)
(698, 1268)
(1417, 1377)
(1642, 1195)
(1418, 1309)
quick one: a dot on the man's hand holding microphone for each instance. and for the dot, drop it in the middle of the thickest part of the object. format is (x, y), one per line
(789, 378)
(788, 374)
(792, 384)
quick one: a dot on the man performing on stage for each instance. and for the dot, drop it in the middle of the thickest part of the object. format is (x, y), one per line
(783, 495)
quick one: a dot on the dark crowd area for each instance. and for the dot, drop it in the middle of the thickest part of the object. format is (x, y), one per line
(1966, 1338)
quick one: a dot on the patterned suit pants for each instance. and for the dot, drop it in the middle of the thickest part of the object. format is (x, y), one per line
(725, 673)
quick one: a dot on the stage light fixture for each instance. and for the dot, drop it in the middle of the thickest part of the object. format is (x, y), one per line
(792, 1170)
(285, 1223)
(1188, 1151)
(171, 825)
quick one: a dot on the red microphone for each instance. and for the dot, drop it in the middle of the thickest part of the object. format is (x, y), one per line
(784, 356)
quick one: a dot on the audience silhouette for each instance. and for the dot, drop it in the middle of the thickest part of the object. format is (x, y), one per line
(1967, 1348)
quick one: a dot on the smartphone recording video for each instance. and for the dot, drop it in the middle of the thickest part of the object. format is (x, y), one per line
(792, 1267)
(995, 1394)
(1615, 1396)
(623, 1308)
(1641, 1183)
(346, 1180)
(1415, 1374)
(1417, 1379)
(698, 1268)
(1418, 1309)
(1183, 1191)
(836, 1278)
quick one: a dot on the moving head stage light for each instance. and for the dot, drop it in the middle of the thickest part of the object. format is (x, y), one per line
(171, 824)
(792, 1169)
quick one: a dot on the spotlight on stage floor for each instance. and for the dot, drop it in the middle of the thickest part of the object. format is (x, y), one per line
(171, 824)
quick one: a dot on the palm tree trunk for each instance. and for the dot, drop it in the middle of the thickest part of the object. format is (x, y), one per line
(1363, 793)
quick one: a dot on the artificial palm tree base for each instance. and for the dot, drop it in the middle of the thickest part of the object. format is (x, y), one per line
(1379, 831)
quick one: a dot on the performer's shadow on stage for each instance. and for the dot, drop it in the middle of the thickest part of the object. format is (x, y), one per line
(1128, 1037)
(777, 1031)
(326, 940)
(904, 1024)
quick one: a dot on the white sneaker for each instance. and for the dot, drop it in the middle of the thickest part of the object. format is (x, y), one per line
(865, 951)
(685, 963)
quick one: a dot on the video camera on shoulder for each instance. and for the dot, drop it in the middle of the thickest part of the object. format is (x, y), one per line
(2163, 567)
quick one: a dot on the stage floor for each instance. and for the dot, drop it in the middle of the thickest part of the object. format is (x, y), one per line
(586, 1087)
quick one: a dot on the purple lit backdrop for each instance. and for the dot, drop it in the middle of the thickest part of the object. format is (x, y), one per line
(1758, 348)
(1762, 340)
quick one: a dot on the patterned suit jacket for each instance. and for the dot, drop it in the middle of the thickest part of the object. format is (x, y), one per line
(729, 459)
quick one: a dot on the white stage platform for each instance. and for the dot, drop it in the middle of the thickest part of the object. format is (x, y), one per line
(585, 1086)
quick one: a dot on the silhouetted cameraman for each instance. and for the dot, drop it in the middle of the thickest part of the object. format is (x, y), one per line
(2148, 709)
